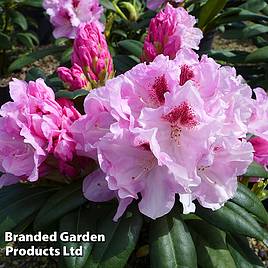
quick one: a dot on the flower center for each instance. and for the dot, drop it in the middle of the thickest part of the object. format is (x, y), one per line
(186, 74)
(159, 88)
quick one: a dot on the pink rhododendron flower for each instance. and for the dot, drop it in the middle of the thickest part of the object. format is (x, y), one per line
(33, 127)
(261, 150)
(171, 30)
(259, 119)
(66, 15)
(91, 59)
(173, 127)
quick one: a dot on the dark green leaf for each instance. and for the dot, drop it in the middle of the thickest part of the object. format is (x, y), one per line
(228, 56)
(254, 5)
(256, 170)
(4, 41)
(243, 255)
(234, 219)
(209, 11)
(66, 55)
(25, 40)
(34, 56)
(250, 202)
(108, 5)
(33, 3)
(78, 222)
(171, 244)
(65, 200)
(19, 203)
(71, 94)
(35, 73)
(123, 63)
(121, 238)
(133, 46)
(210, 245)
(19, 19)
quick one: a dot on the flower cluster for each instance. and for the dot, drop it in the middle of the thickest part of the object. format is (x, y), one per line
(66, 15)
(33, 127)
(91, 59)
(171, 30)
(171, 127)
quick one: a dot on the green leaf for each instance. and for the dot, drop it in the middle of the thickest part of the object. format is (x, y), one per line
(18, 203)
(256, 170)
(35, 73)
(121, 238)
(243, 255)
(171, 244)
(254, 5)
(78, 222)
(71, 94)
(232, 15)
(123, 63)
(34, 56)
(66, 55)
(108, 5)
(259, 55)
(19, 19)
(33, 3)
(209, 11)
(228, 56)
(65, 200)
(133, 46)
(25, 40)
(4, 41)
(210, 245)
(232, 218)
(250, 202)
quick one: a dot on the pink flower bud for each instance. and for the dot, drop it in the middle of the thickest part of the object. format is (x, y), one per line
(92, 55)
(171, 30)
(73, 77)
(261, 150)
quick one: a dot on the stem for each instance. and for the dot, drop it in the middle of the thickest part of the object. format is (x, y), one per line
(119, 11)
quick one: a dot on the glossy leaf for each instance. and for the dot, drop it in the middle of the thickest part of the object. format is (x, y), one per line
(19, 19)
(123, 63)
(78, 222)
(121, 239)
(25, 40)
(63, 201)
(209, 11)
(71, 94)
(35, 73)
(32, 57)
(17, 203)
(256, 170)
(243, 255)
(171, 244)
(4, 41)
(133, 46)
(210, 245)
(250, 202)
(232, 218)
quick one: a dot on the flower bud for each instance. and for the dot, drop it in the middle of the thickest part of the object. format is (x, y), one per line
(73, 77)
(92, 55)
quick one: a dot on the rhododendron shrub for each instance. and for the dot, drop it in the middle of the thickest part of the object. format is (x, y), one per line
(167, 128)
(171, 30)
(67, 15)
(34, 126)
(91, 59)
